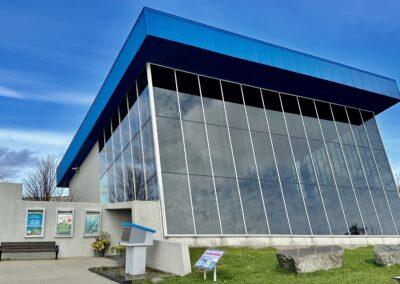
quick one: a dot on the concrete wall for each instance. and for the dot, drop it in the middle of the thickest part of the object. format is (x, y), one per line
(86, 182)
(13, 216)
(172, 257)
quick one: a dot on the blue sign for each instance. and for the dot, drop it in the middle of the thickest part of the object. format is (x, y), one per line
(34, 223)
(209, 259)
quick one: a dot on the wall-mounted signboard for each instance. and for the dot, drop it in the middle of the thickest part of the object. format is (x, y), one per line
(65, 223)
(92, 223)
(34, 223)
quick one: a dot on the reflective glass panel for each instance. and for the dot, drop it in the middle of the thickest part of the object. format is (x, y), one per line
(384, 169)
(171, 145)
(196, 148)
(285, 162)
(382, 209)
(315, 210)
(351, 211)
(177, 204)
(252, 207)
(243, 154)
(274, 205)
(368, 212)
(119, 180)
(372, 129)
(111, 185)
(204, 205)
(140, 185)
(334, 210)
(220, 151)
(264, 156)
(128, 173)
(212, 101)
(295, 208)
(229, 206)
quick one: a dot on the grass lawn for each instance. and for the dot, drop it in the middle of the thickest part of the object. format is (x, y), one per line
(246, 265)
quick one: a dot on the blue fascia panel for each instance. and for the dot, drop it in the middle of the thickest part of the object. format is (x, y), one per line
(181, 34)
(202, 36)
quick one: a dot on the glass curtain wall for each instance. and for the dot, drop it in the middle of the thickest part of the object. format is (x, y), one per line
(126, 150)
(238, 160)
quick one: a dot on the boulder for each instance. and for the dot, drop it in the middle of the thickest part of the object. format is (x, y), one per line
(310, 259)
(387, 254)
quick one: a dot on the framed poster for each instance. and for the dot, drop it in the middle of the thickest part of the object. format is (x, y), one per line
(34, 222)
(92, 223)
(65, 223)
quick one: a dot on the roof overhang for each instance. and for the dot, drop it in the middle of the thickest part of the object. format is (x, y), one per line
(168, 40)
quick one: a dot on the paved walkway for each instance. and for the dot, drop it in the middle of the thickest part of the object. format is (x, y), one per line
(68, 270)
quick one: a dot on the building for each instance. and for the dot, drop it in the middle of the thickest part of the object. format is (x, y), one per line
(213, 138)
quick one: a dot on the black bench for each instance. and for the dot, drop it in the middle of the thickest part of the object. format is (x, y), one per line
(28, 247)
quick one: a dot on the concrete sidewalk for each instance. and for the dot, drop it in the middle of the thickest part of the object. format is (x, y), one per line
(68, 270)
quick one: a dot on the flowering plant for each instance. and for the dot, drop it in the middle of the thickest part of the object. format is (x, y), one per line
(118, 249)
(102, 242)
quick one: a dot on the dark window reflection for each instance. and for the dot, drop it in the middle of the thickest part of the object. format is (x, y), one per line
(212, 100)
(163, 78)
(310, 119)
(274, 112)
(292, 115)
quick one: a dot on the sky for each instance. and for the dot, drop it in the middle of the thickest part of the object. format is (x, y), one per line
(55, 55)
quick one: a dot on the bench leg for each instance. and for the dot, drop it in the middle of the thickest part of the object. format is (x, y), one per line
(56, 254)
(0, 255)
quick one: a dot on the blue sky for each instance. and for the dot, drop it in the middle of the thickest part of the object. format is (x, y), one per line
(54, 56)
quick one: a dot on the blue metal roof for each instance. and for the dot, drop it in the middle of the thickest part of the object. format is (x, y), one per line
(161, 38)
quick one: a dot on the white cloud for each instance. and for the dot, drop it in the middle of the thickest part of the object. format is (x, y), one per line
(9, 93)
(60, 97)
(36, 143)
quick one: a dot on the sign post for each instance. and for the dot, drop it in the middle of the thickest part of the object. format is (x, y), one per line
(208, 261)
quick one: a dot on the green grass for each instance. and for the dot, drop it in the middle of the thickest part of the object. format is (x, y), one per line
(246, 265)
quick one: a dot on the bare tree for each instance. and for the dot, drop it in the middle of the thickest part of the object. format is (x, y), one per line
(41, 183)
(397, 179)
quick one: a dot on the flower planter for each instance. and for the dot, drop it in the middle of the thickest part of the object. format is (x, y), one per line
(99, 253)
(121, 259)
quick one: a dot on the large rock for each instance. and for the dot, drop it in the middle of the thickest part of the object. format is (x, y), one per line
(310, 259)
(387, 254)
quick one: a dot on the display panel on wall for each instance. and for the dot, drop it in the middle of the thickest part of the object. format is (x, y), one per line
(65, 223)
(34, 222)
(92, 223)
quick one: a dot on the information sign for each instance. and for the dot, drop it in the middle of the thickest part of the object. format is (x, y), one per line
(65, 223)
(92, 223)
(209, 259)
(34, 226)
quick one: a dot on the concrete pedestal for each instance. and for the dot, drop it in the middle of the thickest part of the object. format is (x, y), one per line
(135, 260)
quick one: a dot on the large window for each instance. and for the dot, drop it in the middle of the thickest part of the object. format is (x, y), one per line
(246, 161)
(127, 160)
